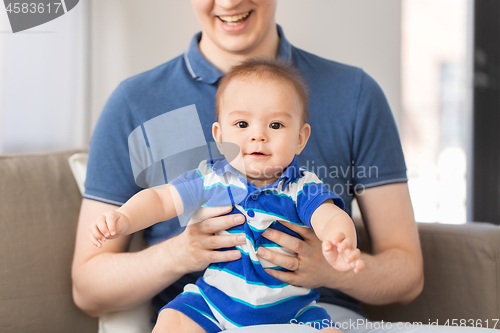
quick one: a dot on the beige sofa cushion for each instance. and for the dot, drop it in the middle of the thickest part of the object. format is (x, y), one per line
(39, 204)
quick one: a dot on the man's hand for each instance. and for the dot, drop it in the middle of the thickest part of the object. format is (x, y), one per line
(309, 268)
(393, 272)
(197, 246)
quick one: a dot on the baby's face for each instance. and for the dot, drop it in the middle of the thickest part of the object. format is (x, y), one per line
(264, 118)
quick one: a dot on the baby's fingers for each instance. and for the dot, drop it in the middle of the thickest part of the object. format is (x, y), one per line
(327, 246)
(338, 238)
(346, 244)
(351, 256)
(330, 252)
(102, 224)
(353, 259)
(96, 237)
(360, 264)
(111, 221)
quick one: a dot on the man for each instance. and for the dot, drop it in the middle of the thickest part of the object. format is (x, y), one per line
(233, 30)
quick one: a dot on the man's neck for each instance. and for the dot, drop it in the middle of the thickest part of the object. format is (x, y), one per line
(224, 60)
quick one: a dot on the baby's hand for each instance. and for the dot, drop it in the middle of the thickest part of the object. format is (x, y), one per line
(109, 225)
(341, 254)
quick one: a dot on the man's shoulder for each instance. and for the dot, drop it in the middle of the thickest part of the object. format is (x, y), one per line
(340, 82)
(159, 76)
(317, 64)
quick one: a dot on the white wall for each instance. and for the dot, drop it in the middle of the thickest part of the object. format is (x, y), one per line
(363, 33)
(131, 36)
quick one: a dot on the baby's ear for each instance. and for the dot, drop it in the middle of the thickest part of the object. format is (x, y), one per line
(216, 132)
(304, 134)
(217, 135)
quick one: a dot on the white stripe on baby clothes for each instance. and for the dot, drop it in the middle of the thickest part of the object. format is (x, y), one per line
(253, 295)
(211, 179)
(249, 249)
(192, 288)
(294, 188)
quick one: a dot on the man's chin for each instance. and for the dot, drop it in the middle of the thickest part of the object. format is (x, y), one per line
(238, 44)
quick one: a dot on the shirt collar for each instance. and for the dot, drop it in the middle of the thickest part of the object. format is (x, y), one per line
(202, 70)
(221, 166)
(291, 173)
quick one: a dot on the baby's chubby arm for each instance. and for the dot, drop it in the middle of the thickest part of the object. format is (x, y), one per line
(144, 209)
(336, 229)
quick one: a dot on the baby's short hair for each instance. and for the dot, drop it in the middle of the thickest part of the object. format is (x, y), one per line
(268, 69)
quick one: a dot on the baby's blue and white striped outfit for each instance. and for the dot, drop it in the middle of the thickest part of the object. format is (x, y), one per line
(240, 293)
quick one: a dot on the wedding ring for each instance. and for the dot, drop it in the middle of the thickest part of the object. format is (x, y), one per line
(300, 263)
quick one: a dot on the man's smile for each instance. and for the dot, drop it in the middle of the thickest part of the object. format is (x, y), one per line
(234, 20)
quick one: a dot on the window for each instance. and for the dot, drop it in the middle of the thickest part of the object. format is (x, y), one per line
(435, 117)
(43, 84)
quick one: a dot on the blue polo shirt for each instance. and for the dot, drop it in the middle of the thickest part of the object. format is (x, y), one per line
(354, 143)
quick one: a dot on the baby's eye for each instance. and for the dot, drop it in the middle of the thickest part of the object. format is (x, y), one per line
(242, 124)
(276, 125)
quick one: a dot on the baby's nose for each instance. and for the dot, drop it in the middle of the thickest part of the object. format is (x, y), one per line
(259, 137)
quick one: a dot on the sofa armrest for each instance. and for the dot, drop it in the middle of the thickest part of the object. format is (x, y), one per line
(462, 277)
(39, 206)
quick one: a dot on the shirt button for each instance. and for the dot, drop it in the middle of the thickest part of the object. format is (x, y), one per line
(251, 213)
(254, 196)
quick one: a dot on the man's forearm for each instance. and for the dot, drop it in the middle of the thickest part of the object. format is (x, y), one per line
(115, 281)
(388, 277)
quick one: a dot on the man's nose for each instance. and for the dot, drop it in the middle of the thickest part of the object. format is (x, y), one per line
(228, 4)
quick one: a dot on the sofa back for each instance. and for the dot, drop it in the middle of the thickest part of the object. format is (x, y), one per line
(39, 206)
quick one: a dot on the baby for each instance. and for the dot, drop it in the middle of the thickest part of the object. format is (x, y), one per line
(262, 108)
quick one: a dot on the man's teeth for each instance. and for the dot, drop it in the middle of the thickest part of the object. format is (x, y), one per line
(232, 20)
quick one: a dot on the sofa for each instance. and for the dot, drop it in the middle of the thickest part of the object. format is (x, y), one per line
(39, 207)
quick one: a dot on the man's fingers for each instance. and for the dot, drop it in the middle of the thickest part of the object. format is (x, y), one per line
(220, 223)
(282, 260)
(206, 213)
(223, 241)
(286, 277)
(222, 256)
(287, 241)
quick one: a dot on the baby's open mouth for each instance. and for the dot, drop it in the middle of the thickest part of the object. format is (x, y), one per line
(258, 153)
(235, 19)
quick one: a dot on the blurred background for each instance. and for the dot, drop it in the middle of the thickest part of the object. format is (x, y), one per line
(55, 79)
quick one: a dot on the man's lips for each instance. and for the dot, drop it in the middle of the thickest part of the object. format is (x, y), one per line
(234, 20)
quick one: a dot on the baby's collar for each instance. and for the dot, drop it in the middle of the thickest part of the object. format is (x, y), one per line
(221, 166)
